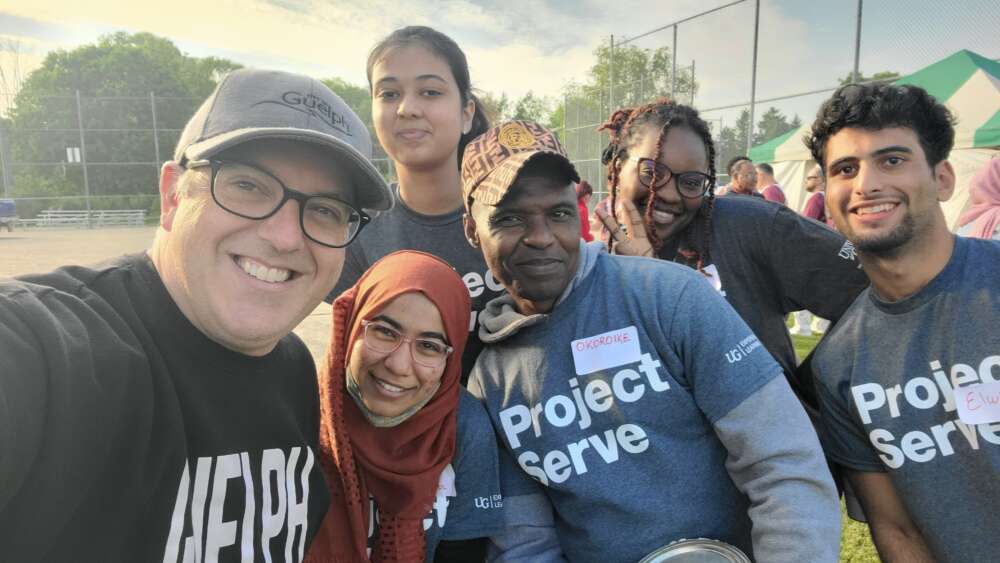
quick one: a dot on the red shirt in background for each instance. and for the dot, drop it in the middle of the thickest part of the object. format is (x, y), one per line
(773, 193)
(584, 220)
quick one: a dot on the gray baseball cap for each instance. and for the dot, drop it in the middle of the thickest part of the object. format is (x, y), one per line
(253, 104)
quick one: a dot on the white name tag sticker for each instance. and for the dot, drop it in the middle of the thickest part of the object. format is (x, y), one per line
(608, 350)
(446, 484)
(712, 275)
(978, 404)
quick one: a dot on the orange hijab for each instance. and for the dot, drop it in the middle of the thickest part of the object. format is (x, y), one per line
(398, 466)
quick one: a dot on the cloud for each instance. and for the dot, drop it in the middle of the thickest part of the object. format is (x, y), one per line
(513, 46)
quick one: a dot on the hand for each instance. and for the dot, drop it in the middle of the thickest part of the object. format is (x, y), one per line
(630, 240)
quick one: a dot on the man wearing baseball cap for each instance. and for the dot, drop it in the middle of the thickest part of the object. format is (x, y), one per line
(636, 407)
(156, 407)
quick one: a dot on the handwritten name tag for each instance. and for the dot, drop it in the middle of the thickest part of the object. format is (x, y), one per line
(978, 404)
(446, 484)
(712, 275)
(608, 350)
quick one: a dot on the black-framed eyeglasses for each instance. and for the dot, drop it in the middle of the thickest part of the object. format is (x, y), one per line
(691, 184)
(384, 339)
(249, 192)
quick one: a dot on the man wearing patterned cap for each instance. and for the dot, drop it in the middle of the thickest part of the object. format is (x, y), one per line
(629, 398)
(156, 407)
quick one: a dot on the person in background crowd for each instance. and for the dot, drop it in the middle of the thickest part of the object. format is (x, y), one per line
(424, 114)
(815, 185)
(128, 388)
(906, 378)
(399, 434)
(815, 209)
(766, 260)
(982, 219)
(583, 195)
(609, 383)
(766, 184)
(742, 177)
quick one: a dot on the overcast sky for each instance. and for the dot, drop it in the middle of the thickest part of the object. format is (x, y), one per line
(519, 45)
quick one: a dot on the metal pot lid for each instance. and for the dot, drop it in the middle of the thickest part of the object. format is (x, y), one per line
(699, 550)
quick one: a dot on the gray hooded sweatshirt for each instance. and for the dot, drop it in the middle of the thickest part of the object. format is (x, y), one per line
(642, 410)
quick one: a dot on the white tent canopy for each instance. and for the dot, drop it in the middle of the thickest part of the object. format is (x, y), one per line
(968, 83)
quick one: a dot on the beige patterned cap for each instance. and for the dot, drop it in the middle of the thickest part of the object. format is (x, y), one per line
(492, 160)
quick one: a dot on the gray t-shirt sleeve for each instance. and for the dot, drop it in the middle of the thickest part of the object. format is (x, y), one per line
(775, 459)
(355, 264)
(529, 533)
(817, 268)
(477, 510)
(721, 361)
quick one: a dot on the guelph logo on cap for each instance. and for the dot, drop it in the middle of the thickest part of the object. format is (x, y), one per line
(515, 136)
(314, 106)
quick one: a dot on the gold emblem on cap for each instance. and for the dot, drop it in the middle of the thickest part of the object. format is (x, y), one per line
(515, 136)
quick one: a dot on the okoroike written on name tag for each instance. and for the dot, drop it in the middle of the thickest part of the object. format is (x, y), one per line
(604, 351)
(979, 403)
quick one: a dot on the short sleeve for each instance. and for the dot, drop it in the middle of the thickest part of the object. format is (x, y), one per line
(477, 508)
(842, 438)
(721, 360)
(816, 268)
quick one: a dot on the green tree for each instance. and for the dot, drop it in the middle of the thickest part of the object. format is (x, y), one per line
(531, 108)
(357, 98)
(115, 77)
(884, 75)
(772, 124)
(497, 109)
(640, 75)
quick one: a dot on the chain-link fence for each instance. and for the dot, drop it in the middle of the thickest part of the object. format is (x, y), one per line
(757, 70)
(86, 153)
(754, 70)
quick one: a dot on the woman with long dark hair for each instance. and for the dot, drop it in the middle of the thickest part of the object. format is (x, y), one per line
(424, 113)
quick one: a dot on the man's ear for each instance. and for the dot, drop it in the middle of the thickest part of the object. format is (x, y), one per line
(945, 174)
(170, 176)
(470, 229)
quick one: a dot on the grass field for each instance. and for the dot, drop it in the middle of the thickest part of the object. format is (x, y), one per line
(855, 541)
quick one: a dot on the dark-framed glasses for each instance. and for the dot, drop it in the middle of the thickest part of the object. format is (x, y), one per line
(691, 184)
(384, 339)
(249, 192)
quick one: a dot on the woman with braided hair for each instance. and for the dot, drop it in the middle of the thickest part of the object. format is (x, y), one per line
(764, 258)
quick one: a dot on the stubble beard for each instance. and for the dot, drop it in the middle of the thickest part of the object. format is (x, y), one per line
(891, 244)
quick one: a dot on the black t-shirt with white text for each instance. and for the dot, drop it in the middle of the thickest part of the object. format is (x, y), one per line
(134, 437)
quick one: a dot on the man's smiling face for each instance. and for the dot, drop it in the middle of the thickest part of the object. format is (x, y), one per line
(881, 192)
(246, 283)
(531, 239)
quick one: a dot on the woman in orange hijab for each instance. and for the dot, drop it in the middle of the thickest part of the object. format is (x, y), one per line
(410, 457)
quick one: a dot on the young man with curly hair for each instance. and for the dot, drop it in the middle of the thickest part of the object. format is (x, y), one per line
(906, 378)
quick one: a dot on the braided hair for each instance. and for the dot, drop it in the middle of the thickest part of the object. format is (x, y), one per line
(623, 127)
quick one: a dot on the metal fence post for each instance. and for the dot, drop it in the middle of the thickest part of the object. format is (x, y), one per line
(753, 78)
(611, 75)
(5, 164)
(156, 135)
(691, 86)
(855, 77)
(673, 69)
(83, 157)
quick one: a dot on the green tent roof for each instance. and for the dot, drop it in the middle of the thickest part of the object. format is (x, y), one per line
(967, 82)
